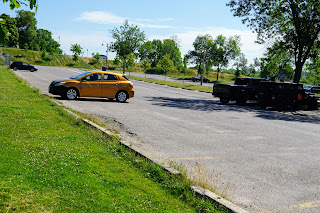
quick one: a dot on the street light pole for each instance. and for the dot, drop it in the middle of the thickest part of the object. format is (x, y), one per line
(107, 50)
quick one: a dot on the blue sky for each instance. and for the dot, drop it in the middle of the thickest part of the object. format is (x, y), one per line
(88, 23)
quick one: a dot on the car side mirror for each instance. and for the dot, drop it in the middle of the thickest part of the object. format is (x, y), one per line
(83, 79)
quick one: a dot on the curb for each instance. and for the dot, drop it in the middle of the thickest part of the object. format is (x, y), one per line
(199, 191)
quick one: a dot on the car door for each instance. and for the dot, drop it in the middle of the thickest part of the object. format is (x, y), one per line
(90, 85)
(110, 85)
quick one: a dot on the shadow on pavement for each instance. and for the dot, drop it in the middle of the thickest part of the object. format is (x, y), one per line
(212, 105)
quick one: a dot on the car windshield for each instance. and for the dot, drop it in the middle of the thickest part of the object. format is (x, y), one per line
(80, 75)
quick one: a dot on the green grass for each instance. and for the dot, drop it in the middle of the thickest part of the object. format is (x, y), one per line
(35, 58)
(175, 84)
(52, 162)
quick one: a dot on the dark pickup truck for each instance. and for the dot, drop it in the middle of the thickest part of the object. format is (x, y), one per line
(243, 89)
(284, 94)
(267, 93)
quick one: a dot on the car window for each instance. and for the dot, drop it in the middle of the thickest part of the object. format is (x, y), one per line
(93, 77)
(125, 77)
(80, 75)
(110, 77)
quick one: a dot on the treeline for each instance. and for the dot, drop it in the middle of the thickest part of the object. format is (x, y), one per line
(22, 32)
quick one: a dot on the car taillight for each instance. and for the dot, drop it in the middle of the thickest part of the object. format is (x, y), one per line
(299, 97)
(131, 85)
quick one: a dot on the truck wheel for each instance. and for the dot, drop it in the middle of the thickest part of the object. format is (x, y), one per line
(224, 100)
(241, 101)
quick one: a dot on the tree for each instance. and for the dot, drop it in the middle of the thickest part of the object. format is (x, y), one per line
(45, 42)
(128, 40)
(76, 49)
(226, 50)
(241, 65)
(145, 65)
(170, 47)
(10, 30)
(155, 50)
(313, 75)
(294, 24)
(275, 60)
(17, 3)
(166, 64)
(26, 24)
(204, 47)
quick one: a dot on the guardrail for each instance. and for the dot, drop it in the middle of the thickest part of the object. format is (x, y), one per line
(5, 59)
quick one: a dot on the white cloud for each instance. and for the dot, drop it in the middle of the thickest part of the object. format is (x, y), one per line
(100, 17)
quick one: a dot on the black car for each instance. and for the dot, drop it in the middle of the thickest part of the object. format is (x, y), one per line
(312, 89)
(198, 78)
(20, 65)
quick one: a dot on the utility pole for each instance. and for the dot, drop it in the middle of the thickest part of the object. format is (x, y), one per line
(107, 50)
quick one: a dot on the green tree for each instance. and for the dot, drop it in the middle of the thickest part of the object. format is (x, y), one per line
(76, 49)
(166, 64)
(46, 43)
(170, 47)
(241, 65)
(276, 59)
(10, 30)
(294, 24)
(313, 74)
(227, 49)
(26, 23)
(204, 47)
(128, 40)
(17, 3)
(145, 65)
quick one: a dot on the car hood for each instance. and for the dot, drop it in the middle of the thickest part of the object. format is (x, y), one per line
(62, 79)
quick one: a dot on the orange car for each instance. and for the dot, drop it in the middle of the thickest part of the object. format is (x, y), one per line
(94, 84)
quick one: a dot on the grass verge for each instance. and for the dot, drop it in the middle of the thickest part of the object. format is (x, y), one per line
(175, 84)
(52, 162)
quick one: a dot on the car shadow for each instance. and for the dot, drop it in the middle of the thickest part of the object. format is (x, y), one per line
(213, 105)
(91, 99)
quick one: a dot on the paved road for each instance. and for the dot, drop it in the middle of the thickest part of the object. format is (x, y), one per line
(161, 77)
(262, 160)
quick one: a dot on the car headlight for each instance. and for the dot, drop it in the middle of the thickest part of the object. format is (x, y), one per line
(59, 84)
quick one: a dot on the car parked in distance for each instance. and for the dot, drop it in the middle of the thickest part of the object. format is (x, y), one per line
(312, 89)
(20, 65)
(198, 78)
(94, 84)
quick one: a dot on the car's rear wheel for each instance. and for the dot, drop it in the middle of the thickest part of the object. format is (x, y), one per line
(71, 94)
(15, 69)
(122, 96)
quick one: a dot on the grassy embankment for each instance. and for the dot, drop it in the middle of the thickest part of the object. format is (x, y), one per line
(37, 58)
(52, 162)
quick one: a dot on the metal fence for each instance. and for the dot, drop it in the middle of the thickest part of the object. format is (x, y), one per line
(5, 59)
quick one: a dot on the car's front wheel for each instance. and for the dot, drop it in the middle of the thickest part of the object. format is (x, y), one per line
(122, 96)
(71, 94)
(32, 70)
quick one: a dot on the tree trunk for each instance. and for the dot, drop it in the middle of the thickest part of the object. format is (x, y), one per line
(298, 72)
(218, 74)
